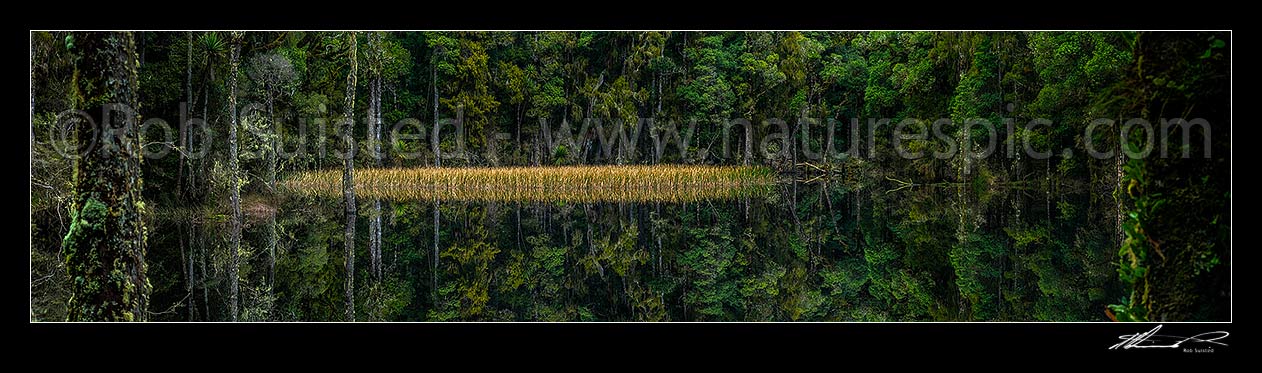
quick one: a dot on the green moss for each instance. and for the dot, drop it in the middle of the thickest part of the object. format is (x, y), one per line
(82, 260)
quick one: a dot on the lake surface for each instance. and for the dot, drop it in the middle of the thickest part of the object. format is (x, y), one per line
(794, 252)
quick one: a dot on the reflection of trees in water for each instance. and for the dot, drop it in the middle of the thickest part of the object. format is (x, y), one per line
(823, 253)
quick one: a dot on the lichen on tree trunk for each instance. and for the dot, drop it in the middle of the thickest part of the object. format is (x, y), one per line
(348, 179)
(234, 166)
(104, 249)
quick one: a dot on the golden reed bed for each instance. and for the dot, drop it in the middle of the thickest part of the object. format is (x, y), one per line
(579, 184)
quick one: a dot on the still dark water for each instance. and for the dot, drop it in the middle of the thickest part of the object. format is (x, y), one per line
(800, 251)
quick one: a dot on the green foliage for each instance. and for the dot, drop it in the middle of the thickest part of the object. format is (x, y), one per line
(977, 264)
(1176, 236)
(922, 253)
(710, 265)
(846, 280)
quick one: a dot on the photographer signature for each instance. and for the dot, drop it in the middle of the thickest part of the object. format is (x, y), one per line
(1151, 339)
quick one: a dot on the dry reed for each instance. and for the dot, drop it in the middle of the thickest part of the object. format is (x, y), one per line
(580, 184)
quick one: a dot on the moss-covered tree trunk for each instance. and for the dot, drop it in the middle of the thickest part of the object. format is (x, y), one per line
(105, 247)
(1178, 239)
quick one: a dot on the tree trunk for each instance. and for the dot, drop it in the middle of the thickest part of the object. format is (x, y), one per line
(520, 111)
(376, 119)
(749, 143)
(104, 249)
(187, 108)
(234, 167)
(348, 178)
(374, 239)
(275, 146)
(194, 279)
(271, 258)
(434, 262)
(433, 72)
(518, 212)
(210, 77)
(547, 138)
(201, 245)
(374, 97)
(186, 257)
(374, 129)
(1120, 176)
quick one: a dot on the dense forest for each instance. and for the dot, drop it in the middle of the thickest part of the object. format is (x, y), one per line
(1017, 222)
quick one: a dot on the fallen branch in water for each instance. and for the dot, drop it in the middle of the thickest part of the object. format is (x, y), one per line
(900, 182)
(814, 166)
(813, 179)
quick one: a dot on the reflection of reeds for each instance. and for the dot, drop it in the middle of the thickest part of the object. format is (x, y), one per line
(666, 183)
